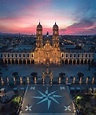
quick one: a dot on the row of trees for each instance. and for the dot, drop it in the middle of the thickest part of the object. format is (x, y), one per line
(61, 75)
(79, 74)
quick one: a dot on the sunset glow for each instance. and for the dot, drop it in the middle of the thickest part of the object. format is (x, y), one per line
(72, 16)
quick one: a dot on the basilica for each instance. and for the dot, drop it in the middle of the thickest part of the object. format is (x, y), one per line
(47, 51)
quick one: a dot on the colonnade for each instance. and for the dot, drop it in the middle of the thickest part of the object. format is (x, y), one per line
(31, 61)
(76, 61)
(18, 61)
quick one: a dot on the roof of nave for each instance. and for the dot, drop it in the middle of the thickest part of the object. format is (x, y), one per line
(75, 51)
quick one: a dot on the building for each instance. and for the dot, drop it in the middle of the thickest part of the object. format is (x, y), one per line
(47, 52)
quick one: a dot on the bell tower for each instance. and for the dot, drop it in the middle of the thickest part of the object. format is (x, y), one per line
(55, 37)
(39, 36)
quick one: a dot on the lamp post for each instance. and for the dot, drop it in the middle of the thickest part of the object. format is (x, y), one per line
(28, 81)
(21, 80)
(35, 80)
(59, 80)
(7, 80)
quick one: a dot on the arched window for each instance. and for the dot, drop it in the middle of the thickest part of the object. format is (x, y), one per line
(12, 55)
(23, 55)
(74, 55)
(15, 55)
(8, 55)
(19, 55)
(27, 55)
(66, 55)
(32, 55)
(70, 55)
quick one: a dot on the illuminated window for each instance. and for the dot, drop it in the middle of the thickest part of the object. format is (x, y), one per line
(23, 55)
(66, 55)
(85, 55)
(74, 55)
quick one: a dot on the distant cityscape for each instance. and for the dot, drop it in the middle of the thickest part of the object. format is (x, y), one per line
(87, 41)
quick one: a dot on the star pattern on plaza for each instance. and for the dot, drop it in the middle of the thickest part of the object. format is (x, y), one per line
(28, 108)
(67, 108)
(62, 88)
(46, 96)
(32, 88)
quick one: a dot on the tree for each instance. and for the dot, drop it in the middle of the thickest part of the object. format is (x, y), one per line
(80, 75)
(15, 74)
(0, 75)
(71, 78)
(34, 74)
(94, 74)
(62, 75)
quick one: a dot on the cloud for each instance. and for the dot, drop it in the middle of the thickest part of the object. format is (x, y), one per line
(72, 16)
(83, 26)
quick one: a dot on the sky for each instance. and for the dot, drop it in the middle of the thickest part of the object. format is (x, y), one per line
(74, 17)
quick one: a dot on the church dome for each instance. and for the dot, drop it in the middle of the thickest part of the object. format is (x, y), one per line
(39, 25)
(55, 25)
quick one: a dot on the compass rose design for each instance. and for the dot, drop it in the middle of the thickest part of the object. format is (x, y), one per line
(46, 96)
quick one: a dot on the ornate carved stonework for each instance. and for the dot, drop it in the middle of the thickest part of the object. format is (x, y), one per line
(47, 54)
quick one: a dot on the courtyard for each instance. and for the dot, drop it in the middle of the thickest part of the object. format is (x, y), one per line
(39, 99)
(45, 99)
(26, 70)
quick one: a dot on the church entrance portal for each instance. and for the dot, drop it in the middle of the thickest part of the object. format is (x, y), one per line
(47, 62)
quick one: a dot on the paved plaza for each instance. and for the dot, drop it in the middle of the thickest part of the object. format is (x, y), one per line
(39, 99)
(26, 70)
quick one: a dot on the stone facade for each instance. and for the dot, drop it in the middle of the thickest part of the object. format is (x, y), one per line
(47, 54)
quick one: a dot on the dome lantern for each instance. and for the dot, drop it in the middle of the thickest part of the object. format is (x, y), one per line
(55, 26)
(39, 26)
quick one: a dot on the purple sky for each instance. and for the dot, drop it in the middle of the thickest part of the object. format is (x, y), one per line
(72, 16)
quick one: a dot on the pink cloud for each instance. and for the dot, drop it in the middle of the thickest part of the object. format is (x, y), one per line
(82, 27)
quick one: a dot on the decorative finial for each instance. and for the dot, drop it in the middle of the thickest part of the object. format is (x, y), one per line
(47, 33)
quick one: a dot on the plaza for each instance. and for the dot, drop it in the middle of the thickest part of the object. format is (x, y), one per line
(42, 100)
(26, 70)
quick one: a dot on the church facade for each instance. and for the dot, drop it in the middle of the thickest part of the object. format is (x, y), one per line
(47, 52)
